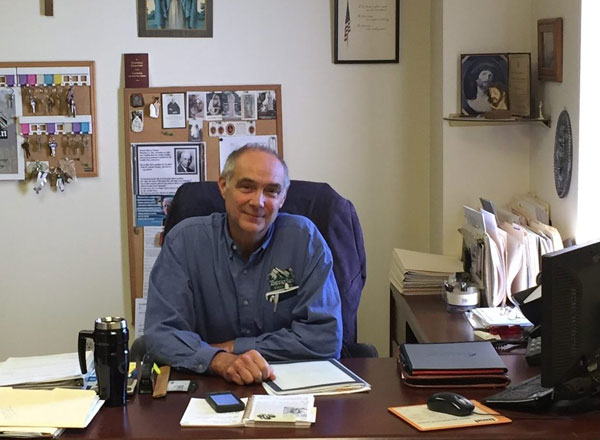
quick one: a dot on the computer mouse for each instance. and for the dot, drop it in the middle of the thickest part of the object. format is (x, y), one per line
(450, 403)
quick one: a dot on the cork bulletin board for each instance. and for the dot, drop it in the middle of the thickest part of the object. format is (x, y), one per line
(161, 123)
(53, 108)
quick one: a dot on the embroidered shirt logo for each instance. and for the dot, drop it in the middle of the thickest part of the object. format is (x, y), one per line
(281, 278)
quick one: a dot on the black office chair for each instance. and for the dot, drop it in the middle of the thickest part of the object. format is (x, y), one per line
(336, 219)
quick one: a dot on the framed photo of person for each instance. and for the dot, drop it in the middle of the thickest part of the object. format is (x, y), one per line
(495, 82)
(550, 49)
(173, 110)
(483, 83)
(366, 31)
(175, 18)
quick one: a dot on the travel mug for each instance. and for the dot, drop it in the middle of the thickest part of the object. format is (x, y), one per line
(111, 358)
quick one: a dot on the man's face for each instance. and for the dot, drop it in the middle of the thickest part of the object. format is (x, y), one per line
(185, 159)
(484, 79)
(253, 195)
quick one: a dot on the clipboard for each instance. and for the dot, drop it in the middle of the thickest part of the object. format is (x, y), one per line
(423, 419)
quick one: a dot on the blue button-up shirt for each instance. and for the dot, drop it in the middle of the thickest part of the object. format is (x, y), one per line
(202, 291)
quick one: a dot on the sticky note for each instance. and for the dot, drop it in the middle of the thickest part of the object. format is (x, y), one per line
(31, 79)
(48, 79)
(24, 129)
(57, 78)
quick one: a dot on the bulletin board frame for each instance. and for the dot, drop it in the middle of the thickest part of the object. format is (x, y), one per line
(154, 133)
(72, 140)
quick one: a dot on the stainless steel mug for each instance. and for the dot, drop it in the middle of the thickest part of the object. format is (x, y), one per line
(111, 358)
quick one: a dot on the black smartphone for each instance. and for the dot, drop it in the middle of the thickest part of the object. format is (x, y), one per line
(224, 401)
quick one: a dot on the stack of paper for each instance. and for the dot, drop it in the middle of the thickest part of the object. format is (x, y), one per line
(34, 411)
(414, 272)
(314, 377)
(261, 411)
(57, 370)
(485, 317)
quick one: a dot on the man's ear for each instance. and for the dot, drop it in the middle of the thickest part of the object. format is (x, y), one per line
(222, 186)
(282, 200)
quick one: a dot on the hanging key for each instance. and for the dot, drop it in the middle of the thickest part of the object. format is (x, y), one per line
(52, 144)
(33, 104)
(10, 99)
(25, 146)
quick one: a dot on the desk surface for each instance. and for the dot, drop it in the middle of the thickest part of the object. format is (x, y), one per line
(362, 415)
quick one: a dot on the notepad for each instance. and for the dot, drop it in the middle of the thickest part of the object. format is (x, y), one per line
(315, 377)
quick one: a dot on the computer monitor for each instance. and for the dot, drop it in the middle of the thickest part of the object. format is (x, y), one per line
(571, 323)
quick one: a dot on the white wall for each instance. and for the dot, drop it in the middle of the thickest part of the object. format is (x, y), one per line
(489, 161)
(363, 128)
(556, 97)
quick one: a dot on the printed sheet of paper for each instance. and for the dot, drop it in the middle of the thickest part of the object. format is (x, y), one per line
(424, 419)
(159, 169)
(140, 316)
(151, 251)
(200, 413)
(227, 145)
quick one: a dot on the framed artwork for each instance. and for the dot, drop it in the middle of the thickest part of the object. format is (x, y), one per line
(550, 50)
(175, 18)
(366, 31)
(484, 83)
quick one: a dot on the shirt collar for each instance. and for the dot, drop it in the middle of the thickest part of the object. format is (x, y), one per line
(233, 248)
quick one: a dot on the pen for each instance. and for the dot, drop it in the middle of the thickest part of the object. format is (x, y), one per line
(156, 369)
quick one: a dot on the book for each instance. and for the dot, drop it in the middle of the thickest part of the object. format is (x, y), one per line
(136, 70)
(423, 419)
(455, 364)
(261, 411)
(327, 376)
(30, 432)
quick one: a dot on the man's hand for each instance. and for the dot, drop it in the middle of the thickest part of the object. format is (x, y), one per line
(249, 367)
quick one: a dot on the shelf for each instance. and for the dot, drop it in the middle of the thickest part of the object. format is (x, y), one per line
(463, 121)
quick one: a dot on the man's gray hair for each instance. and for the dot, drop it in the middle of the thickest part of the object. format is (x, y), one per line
(233, 157)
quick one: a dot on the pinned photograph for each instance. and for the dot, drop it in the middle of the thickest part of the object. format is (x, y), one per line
(137, 121)
(484, 83)
(232, 105)
(173, 110)
(186, 161)
(195, 132)
(267, 105)
(249, 109)
(214, 106)
(196, 102)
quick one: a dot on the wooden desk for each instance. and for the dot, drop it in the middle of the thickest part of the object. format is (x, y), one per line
(362, 415)
(423, 318)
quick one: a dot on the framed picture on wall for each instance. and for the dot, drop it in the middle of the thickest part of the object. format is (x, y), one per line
(550, 50)
(366, 31)
(175, 18)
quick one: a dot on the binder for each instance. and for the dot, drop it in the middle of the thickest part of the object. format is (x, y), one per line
(456, 364)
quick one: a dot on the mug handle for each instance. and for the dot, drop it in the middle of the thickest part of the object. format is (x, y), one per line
(83, 335)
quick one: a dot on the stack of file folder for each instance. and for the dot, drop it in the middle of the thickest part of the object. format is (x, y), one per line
(414, 272)
(455, 364)
(56, 370)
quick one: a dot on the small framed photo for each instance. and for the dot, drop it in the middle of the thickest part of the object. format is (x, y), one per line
(173, 110)
(175, 18)
(366, 31)
(186, 161)
(483, 83)
(550, 49)
(214, 105)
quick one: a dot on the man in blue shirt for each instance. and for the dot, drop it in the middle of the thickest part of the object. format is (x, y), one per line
(230, 292)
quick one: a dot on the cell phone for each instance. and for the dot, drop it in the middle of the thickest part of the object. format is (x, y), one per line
(224, 401)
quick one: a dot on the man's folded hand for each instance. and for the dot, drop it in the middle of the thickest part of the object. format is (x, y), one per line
(246, 368)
